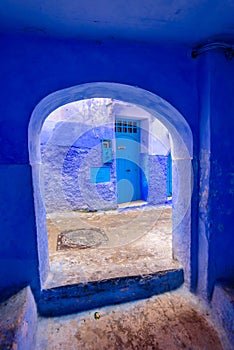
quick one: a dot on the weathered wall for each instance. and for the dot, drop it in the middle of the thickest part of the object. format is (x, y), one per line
(33, 67)
(154, 178)
(222, 168)
(19, 321)
(71, 148)
(71, 140)
(217, 169)
(157, 187)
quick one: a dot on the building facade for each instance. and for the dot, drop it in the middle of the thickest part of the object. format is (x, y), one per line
(172, 59)
(99, 153)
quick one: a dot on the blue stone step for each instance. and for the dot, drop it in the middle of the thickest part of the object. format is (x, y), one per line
(80, 297)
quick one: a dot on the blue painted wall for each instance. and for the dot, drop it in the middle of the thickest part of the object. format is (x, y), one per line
(66, 182)
(216, 210)
(32, 67)
(67, 164)
(221, 201)
(153, 178)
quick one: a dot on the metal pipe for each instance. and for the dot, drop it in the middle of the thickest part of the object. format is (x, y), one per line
(217, 45)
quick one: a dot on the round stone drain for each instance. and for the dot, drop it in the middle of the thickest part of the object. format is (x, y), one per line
(81, 239)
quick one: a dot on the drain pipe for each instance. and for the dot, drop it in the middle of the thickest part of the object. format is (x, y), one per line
(217, 45)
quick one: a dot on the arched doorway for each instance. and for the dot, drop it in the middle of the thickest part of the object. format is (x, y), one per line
(181, 151)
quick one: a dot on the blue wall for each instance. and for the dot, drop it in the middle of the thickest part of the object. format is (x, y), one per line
(221, 169)
(153, 178)
(72, 150)
(32, 67)
(67, 166)
(216, 210)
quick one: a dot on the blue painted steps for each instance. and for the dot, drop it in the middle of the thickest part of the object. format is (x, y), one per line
(80, 297)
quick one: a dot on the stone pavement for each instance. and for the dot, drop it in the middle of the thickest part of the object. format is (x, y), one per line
(171, 321)
(137, 241)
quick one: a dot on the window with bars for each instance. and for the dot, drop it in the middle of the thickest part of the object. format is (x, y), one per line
(126, 126)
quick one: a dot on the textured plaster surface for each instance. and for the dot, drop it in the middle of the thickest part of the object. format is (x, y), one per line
(18, 260)
(157, 190)
(216, 210)
(182, 180)
(18, 322)
(139, 242)
(221, 191)
(71, 140)
(223, 307)
(174, 320)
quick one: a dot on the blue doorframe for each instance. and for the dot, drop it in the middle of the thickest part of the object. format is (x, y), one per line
(127, 134)
(169, 175)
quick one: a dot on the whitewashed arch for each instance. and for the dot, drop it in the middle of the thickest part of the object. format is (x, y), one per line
(182, 153)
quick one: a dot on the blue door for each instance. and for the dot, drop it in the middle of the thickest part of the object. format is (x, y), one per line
(127, 134)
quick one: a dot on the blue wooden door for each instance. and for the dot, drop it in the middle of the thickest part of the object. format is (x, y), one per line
(127, 159)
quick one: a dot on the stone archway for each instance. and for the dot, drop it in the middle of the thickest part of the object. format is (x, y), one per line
(182, 153)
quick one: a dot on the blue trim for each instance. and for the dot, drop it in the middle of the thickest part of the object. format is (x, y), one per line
(169, 175)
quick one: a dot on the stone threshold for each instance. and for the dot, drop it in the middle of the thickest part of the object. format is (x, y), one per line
(86, 296)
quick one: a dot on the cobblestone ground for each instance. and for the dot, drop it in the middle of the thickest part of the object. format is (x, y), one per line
(171, 321)
(139, 241)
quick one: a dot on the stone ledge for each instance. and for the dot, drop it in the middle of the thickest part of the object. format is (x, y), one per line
(80, 297)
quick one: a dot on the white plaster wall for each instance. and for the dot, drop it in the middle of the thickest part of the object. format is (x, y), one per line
(159, 141)
(93, 113)
(155, 138)
(103, 111)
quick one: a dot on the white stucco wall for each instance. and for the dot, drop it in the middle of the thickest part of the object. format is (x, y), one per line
(154, 136)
